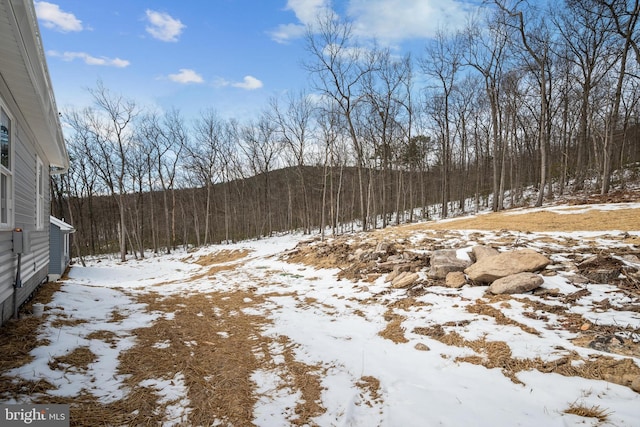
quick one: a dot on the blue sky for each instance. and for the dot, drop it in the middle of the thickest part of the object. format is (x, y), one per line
(227, 55)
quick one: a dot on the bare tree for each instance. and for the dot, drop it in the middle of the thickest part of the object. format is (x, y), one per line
(167, 136)
(386, 94)
(485, 51)
(205, 158)
(442, 62)
(587, 36)
(106, 134)
(261, 148)
(535, 41)
(625, 15)
(294, 126)
(338, 66)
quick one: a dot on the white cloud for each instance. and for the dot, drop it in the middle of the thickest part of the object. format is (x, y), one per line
(163, 26)
(186, 76)
(307, 12)
(394, 20)
(385, 20)
(52, 17)
(248, 83)
(89, 59)
(286, 32)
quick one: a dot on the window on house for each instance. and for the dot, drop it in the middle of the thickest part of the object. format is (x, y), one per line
(39, 194)
(6, 202)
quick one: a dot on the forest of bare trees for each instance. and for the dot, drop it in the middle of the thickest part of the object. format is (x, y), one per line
(524, 96)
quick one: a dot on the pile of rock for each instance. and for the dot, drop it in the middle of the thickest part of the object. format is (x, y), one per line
(506, 272)
(404, 267)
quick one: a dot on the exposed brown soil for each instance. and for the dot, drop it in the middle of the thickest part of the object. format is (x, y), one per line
(589, 220)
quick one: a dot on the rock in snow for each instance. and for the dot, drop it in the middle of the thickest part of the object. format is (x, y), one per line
(444, 261)
(479, 252)
(455, 279)
(489, 269)
(516, 283)
(404, 280)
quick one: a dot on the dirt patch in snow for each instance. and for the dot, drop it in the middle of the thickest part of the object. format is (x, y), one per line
(570, 220)
(370, 390)
(394, 330)
(78, 358)
(220, 257)
(497, 354)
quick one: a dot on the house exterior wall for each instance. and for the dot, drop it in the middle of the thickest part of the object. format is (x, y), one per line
(30, 127)
(35, 263)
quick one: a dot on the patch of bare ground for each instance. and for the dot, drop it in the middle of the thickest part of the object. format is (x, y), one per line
(106, 336)
(592, 220)
(370, 390)
(497, 354)
(335, 254)
(394, 330)
(218, 261)
(208, 341)
(480, 307)
(306, 379)
(214, 344)
(220, 257)
(17, 338)
(78, 358)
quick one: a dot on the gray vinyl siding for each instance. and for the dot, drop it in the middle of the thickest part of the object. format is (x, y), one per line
(7, 270)
(24, 162)
(56, 256)
(35, 263)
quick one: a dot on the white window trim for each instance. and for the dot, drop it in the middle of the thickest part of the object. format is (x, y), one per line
(8, 173)
(40, 187)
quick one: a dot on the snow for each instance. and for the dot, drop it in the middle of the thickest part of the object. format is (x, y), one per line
(337, 329)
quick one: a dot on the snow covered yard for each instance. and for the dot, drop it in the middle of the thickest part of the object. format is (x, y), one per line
(295, 331)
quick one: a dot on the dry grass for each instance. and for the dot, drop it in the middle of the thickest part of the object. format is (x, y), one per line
(480, 307)
(212, 343)
(590, 220)
(222, 256)
(497, 354)
(306, 379)
(107, 336)
(370, 390)
(78, 358)
(394, 330)
(594, 411)
(17, 339)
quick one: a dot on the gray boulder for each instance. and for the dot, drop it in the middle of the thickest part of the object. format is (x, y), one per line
(444, 261)
(516, 283)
